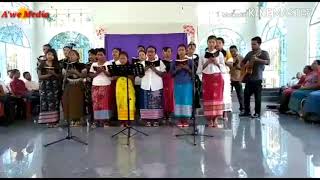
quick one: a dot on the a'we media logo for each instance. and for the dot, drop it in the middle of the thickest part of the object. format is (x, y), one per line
(24, 13)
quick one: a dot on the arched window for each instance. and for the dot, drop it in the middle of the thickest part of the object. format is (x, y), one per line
(275, 42)
(314, 35)
(64, 38)
(15, 52)
(230, 37)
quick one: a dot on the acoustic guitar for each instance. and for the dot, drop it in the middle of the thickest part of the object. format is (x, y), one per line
(247, 70)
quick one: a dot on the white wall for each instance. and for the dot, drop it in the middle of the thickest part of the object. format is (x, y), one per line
(130, 18)
(211, 16)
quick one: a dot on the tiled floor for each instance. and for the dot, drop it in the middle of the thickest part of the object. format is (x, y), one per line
(273, 146)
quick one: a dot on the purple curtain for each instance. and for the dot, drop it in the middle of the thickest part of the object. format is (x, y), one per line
(129, 42)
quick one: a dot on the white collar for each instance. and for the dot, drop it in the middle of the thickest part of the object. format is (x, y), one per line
(156, 59)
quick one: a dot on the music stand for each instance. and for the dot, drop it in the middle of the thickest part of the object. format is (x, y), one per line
(194, 132)
(69, 135)
(126, 71)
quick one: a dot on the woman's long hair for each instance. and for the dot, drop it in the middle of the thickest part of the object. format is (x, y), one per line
(55, 57)
(181, 45)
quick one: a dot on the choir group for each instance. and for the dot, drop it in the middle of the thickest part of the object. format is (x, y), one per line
(169, 87)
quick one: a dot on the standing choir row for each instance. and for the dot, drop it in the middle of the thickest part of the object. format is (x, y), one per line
(167, 87)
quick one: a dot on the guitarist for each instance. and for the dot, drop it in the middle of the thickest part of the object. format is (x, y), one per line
(257, 59)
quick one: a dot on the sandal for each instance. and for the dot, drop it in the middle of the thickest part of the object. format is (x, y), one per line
(214, 123)
(180, 124)
(76, 124)
(185, 123)
(148, 124)
(210, 123)
(156, 124)
(93, 125)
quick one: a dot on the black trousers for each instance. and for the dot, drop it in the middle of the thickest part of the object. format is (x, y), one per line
(238, 86)
(255, 88)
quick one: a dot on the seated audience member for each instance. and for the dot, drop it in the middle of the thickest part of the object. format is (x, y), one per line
(311, 84)
(9, 79)
(18, 87)
(20, 91)
(30, 85)
(33, 88)
(7, 101)
(285, 95)
(295, 79)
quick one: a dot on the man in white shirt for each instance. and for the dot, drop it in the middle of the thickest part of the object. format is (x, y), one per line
(8, 101)
(152, 89)
(4, 87)
(8, 79)
(33, 88)
(30, 85)
(295, 80)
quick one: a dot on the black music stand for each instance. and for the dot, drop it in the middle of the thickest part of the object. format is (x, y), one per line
(126, 71)
(69, 135)
(194, 132)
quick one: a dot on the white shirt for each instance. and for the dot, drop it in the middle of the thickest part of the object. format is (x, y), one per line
(101, 79)
(293, 82)
(4, 87)
(117, 62)
(151, 80)
(7, 83)
(211, 68)
(31, 85)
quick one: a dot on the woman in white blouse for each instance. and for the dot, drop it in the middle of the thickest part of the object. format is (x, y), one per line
(210, 71)
(101, 89)
(151, 94)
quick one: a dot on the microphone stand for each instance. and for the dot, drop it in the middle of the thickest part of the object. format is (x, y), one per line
(69, 135)
(194, 132)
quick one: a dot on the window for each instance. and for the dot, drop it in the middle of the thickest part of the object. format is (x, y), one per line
(14, 49)
(274, 41)
(314, 35)
(64, 38)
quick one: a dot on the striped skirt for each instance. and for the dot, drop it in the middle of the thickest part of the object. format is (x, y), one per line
(49, 101)
(121, 97)
(168, 95)
(151, 104)
(296, 99)
(183, 94)
(213, 94)
(102, 107)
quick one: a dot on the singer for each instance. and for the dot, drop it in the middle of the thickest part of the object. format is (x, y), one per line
(181, 70)
(209, 70)
(73, 95)
(49, 73)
